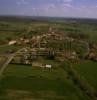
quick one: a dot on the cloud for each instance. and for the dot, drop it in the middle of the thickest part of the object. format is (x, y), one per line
(67, 1)
(64, 8)
(22, 2)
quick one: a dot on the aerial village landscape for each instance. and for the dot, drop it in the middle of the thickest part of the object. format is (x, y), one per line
(47, 53)
(48, 49)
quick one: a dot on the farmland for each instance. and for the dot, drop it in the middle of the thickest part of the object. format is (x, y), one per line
(20, 81)
(87, 70)
(68, 46)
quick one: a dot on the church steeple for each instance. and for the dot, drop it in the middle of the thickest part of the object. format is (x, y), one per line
(50, 30)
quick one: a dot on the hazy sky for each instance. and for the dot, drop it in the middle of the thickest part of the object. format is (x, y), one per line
(59, 8)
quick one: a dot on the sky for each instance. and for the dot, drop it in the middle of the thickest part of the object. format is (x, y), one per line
(53, 8)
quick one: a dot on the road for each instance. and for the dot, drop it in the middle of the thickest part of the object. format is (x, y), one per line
(9, 60)
(6, 63)
(3, 67)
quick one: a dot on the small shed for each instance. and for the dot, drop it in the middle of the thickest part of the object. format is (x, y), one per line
(48, 66)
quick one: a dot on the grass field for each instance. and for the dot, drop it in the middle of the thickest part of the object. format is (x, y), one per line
(88, 70)
(14, 29)
(22, 82)
(6, 48)
(2, 60)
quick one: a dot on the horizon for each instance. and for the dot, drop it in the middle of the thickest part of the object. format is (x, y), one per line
(61, 17)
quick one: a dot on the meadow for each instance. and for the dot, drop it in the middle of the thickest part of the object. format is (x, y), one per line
(88, 71)
(25, 82)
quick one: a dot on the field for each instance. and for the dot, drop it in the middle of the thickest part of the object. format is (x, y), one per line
(87, 70)
(21, 81)
(26, 83)
(12, 29)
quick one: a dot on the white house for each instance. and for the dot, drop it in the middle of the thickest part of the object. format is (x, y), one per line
(12, 42)
(48, 66)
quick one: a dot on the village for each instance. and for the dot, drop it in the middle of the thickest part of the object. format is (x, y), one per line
(53, 45)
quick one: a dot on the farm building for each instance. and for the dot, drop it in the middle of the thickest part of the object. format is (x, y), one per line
(12, 42)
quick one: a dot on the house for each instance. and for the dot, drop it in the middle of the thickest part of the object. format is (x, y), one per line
(70, 54)
(21, 39)
(48, 66)
(26, 41)
(12, 42)
(27, 62)
(38, 37)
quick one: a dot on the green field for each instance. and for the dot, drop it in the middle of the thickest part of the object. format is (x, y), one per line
(21, 82)
(14, 29)
(88, 71)
(6, 48)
